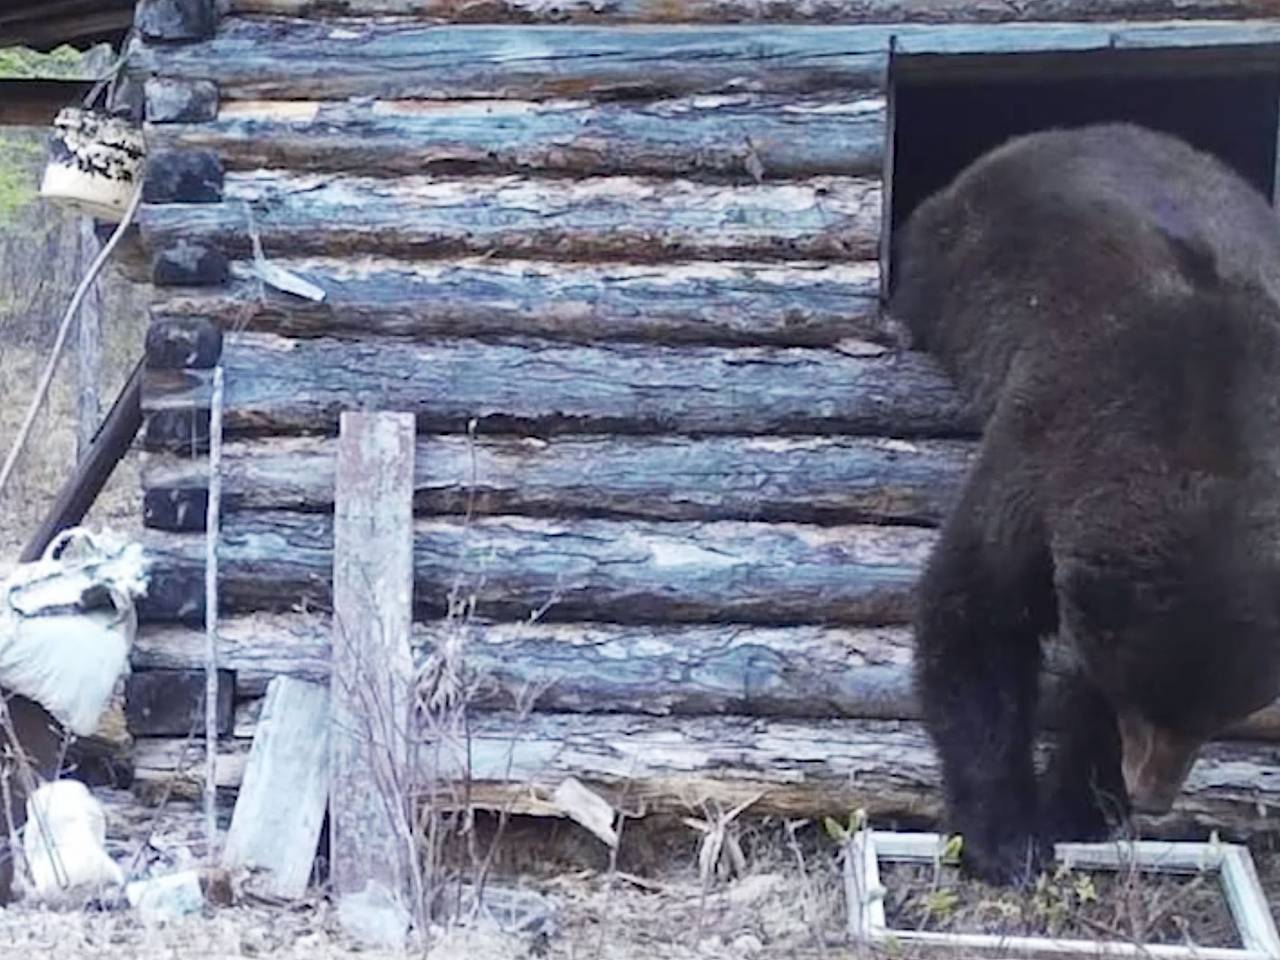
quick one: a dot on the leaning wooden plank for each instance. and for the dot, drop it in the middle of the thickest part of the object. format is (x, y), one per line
(766, 11)
(622, 218)
(649, 765)
(740, 136)
(800, 479)
(801, 671)
(732, 303)
(285, 789)
(621, 571)
(371, 837)
(276, 385)
(264, 58)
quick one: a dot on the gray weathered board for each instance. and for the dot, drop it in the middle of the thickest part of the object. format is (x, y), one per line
(285, 789)
(371, 709)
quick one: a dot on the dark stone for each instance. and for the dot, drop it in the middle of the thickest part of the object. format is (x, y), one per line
(170, 703)
(175, 19)
(183, 176)
(190, 264)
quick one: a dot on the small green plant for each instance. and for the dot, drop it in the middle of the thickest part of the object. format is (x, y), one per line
(843, 833)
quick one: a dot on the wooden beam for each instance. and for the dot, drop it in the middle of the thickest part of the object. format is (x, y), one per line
(650, 765)
(370, 833)
(621, 571)
(35, 103)
(763, 11)
(617, 218)
(276, 385)
(79, 491)
(803, 479)
(796, 303)
(285, 790)
(256, 58)
(660, 669)
(172, 702)
(741, 136)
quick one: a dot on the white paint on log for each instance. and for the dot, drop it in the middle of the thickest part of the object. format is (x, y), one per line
(282, 801)
(371, 839)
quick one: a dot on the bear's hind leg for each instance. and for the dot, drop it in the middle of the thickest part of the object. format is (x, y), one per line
(985, 601)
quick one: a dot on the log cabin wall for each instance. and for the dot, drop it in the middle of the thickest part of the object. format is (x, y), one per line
(627, 276)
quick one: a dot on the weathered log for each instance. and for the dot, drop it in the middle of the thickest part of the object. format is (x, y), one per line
(182, 176)
(763, 11)
(182, 342)
(798, 304)
(179, 101)
(171, 702)
(175, 19)
(596, 667)
(743, 137)
(189, 264)
(648, 765)
(694, 670)
(512, 568)
(828, 480)
(265, 58)
(276, 385)
(625, 218)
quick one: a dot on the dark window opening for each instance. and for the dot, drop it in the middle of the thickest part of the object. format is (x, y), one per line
(942, 126)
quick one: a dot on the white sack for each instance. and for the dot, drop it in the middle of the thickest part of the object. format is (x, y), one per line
(67, 622)
(64, 840)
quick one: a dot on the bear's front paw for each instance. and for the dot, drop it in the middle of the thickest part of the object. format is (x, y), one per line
(1007, 861)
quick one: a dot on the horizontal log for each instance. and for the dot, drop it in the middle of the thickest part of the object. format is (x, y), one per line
(829, 480)
(599, 668)
(624, 218)
(513, 568)
(648, 765)
(179, 101)
(798, 303)
(275, 385)
(765, 11)
(594, 667)
(265, 58)
(743, 137)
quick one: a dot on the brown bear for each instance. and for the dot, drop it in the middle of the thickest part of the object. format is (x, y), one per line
(1108, 300)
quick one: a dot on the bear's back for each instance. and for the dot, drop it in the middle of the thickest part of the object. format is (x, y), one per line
(1058, 235)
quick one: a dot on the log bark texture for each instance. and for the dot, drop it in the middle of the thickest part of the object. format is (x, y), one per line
(693, 670)
(626, 572)
(766, 11)
(626, 218)
(785, 767)
(597, 667)
(263, 58)
(803, 479)
(792, 304)
(276, 385)
(742, 137)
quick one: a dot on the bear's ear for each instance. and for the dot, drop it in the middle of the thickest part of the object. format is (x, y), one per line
(1101, 596)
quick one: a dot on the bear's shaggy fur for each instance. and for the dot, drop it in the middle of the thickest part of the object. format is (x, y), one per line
(1108, 299)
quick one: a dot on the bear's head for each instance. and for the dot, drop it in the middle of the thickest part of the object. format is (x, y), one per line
(1183, 645)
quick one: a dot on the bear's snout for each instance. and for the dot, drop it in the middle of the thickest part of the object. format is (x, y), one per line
(1155, 762)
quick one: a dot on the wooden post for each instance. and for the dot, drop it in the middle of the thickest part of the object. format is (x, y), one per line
(369, 825)
(88, 348)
